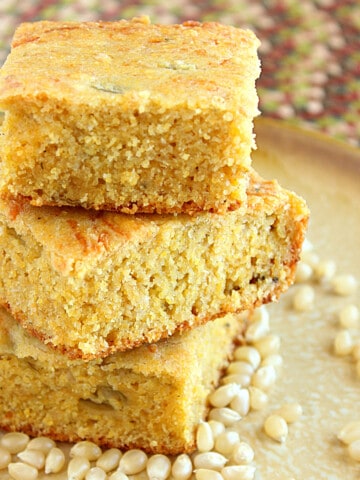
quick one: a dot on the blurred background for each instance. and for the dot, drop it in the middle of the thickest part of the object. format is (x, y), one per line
(310, 49)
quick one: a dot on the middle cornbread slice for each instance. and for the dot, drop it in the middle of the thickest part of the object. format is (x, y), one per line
(90, 283)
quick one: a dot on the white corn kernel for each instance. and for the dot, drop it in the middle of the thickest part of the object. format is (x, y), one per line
(241, 402)
(109, 460)
(133, 462)
(344, 284)
(182, 467)
(5, 458)
(276, 428)
(225, 415)
(86, 449)
(14, 442)
(307, 246)
(238, 472)
(239, 378)
(226, 442)
(158, 467)
(303, 299)
(44, 444)
(303, 273)
(240, 367)
(222, 396)
(268, 345)
(118, 476)
(350, 432)
(209, 460)
(22, 471)
(36, 458)
(349, 316)
(207, 474)
(216, 428)
(325, 270)
(343, 343)
(311, 258)
(95, 473)
(291, 412)
(242, 454)
(275, 360)
(257, 329)
(354, 450)
(248, 354)
(204, 437)
(264, 378)
(78, 468)
(258, 398)
(261, 314)
(55, 461)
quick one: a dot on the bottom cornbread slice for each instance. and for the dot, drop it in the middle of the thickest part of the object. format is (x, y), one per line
(151, 397)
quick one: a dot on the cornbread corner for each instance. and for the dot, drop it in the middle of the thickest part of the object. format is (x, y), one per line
(90, 283)
(151, 397)
(128, 115)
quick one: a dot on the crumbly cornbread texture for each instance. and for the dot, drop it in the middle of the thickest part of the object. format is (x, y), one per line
(128, 115)
(90, 283)
(151, 397)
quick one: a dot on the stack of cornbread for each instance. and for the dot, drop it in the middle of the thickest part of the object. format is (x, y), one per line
(134, 232)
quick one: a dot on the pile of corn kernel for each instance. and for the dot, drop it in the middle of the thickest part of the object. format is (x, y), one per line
(246, 385)
(346, 342)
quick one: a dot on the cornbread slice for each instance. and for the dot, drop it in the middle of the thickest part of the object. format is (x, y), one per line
(151, 397)
(90, 283)
(128, 115)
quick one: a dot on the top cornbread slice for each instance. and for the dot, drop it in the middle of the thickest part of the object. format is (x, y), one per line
(128, 115)
(90, 283)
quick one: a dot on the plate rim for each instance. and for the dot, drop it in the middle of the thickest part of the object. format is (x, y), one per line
(264, 121)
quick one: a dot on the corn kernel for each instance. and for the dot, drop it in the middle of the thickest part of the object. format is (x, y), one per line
(238, 472)
(182, 467)
(225, 415)
(343, 343)
(204, 437)
(303, 299)
(344, 284)
(226, 442)
(209, 460)
(349, 317)
(354, 450)
(291, 412)
(22, 471)
(258, 398)
(350, 432)
(276, 428)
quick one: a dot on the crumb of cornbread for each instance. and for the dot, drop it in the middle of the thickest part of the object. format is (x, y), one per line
(128, 115)
(151, 397)
(90, 283)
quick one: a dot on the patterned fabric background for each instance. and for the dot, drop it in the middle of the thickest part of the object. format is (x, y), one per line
(310, 48)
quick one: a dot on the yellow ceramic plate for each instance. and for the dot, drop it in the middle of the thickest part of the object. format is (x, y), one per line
(327, 174)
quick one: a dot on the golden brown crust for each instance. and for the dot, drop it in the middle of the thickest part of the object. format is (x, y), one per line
(74, 354)
(189, 208)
